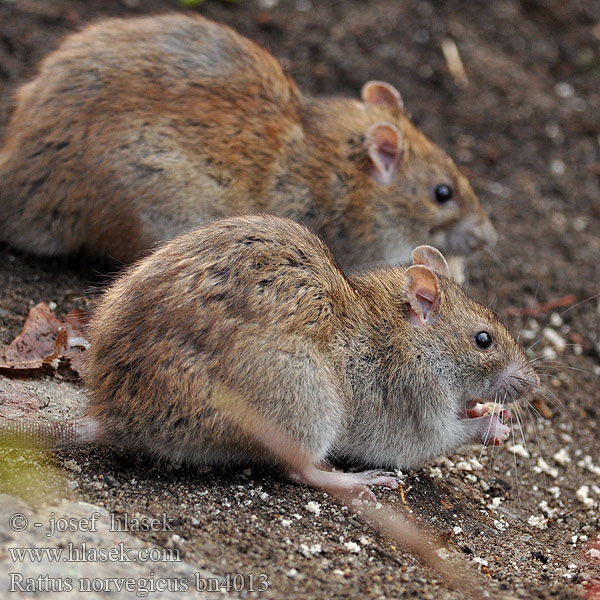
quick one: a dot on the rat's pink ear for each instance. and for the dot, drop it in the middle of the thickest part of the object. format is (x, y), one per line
(431, 257)
(380, 92)
(423, 294)
(384, 145)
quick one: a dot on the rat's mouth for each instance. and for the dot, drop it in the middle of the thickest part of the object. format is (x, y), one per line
(478, 408)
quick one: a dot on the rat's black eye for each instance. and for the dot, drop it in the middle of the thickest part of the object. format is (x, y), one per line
(443, 193)
(483, 339)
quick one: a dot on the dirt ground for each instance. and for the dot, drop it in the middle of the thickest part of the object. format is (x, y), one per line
(526, 129)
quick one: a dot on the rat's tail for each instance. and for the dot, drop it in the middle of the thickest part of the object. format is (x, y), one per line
(48, 435)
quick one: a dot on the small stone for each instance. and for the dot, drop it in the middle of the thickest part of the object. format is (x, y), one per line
(310, 551)
(564, 90)
(352, 547)
(111, 481)
(583, 496)
(538, 521)
(562, 457)
(555, 339)
(518, 449)
(544, 467)
(72, 465)
(313, 507)
(558, 167)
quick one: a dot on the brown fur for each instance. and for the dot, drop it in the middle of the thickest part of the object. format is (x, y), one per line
(135, 130)
(259, 307)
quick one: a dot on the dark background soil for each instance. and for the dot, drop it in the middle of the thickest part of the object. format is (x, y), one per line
(526, 129)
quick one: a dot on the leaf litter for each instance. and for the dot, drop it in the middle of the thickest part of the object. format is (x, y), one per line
(46, 341)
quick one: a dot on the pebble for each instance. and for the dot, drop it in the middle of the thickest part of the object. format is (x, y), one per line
(555, 339)
(443, 553)
(310, 551)
(564, 90)
(538, 521)
(583, 496)
(558, 167)
(112, 481)
(518, 449)
(352, 547)
(313, 507)
(562, 457)
(72, 465)
(554, 491)
(543, 467)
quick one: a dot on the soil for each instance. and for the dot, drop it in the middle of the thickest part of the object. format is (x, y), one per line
(526, 129)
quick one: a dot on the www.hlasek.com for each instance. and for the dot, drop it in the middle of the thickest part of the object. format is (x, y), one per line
(73, 553)
(142, 586)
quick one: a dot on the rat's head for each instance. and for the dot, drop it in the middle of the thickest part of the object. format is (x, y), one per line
(461, 342)
(420, 195)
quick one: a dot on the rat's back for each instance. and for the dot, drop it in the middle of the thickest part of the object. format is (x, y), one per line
(162, 58)
(111, 148)
(247, 302)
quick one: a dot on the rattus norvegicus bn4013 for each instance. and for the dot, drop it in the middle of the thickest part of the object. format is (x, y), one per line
(136, 130)
(385, 369)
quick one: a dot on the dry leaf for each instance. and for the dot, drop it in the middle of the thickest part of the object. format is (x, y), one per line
(47, 340)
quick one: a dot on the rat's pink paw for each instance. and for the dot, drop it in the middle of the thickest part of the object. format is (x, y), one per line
(490, 419)
(496, 431)
(357, 484)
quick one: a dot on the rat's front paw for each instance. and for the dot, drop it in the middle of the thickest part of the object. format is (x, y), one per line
(496, 432)
(489, 422)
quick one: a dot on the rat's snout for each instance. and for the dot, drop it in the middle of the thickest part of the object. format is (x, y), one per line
(471, 234)
(483, 233)
(517, 380)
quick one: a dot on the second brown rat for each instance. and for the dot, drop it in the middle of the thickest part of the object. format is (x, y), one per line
(137, 129)
(251, 319)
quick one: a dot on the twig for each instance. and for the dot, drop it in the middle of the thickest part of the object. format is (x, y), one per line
(391, 523)
(454, 62)
(538, 309)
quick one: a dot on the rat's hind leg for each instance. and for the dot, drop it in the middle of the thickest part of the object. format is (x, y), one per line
(284, 398)
(338, 482)
(370, 477)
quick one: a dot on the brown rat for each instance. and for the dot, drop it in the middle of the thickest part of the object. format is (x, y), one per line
(137, 129)
(251, 318)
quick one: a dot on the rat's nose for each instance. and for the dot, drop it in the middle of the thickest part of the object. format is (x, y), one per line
(472, 234)
(483, 234)
(519, 378)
